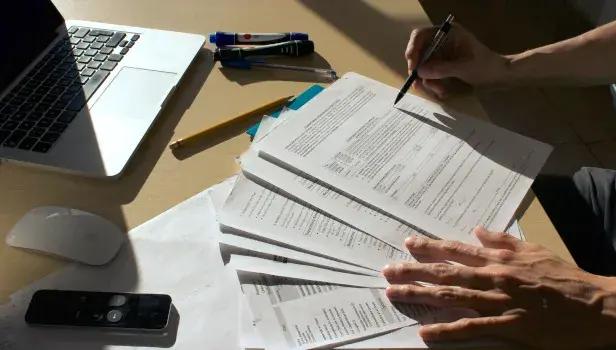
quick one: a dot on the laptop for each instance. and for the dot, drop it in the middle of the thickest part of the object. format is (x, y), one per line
(80, 96)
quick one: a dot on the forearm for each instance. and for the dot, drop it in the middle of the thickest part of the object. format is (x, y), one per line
(587, 59)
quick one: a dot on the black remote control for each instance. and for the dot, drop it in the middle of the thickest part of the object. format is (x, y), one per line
(118, 311)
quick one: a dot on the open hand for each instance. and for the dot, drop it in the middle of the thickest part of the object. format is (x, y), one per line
(523, 292)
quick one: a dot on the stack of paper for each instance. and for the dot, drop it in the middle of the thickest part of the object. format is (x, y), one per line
(328, 194)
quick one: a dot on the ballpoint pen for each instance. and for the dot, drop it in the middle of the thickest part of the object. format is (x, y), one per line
(248, 64)
(437, 40)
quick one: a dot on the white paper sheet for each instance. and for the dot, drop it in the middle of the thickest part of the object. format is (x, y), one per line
(335, 317)
(234, 244)
(386, 228)
(303, 272)
(255, 210)
(335, 203)
(176, 253)
(277, 289)
(439, 172)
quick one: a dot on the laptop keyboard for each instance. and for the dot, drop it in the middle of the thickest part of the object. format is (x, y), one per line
(35, 112)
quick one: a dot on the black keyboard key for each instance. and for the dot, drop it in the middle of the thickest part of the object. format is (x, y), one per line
(57, 91)
(34, 115)
(102, 39)
(49, 99)
(21, 115)
(123, 43)
(97, 32)
(84, 59)
(76, 53)
(124, 51)
(82, 46)
(72, 29)
(108, 65)
(44, 123)
(42, 147)
(75, 41)
(88, 89)
(94, 65)
(115, 39)
(83, 79)
(58, 127)
(66, 117)
(97, 46)
(80, 66)
(13, 140)
(134, 37)
(36, 132)
(81, 33)
(50, 137)
(42, 107)
(52, 113)
(9, 109)
(89, 39)
(26, 125)
(73, 89)
(4, 134)
(88, 71)
(115, 57)
(106, 50)
(90, 52)
(10, 125)
(27, 143)
(100, 57)
(130, 44)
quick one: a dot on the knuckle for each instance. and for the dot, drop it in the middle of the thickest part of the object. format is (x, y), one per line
(447, 294)
(504, 255)
(465, 323)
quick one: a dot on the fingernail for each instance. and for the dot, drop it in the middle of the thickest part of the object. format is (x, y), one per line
(391, 291)
(413, 241)
(388, 270)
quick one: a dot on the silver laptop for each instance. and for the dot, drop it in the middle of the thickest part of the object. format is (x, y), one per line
(79, 96)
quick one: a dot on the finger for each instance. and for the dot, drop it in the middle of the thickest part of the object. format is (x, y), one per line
(438, 87)
(446, 296)
(440, 69)
(419, 40)
(463, 253)
(419, 86)
(499, 240)
(438, 273)
(471, 328)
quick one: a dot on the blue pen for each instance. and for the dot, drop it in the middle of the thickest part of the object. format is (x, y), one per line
(230, 38)
(248, 64)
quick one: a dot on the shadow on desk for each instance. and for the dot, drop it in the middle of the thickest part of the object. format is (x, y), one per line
(162, 131)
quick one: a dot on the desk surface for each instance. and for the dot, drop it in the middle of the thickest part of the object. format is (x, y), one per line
(368, 37)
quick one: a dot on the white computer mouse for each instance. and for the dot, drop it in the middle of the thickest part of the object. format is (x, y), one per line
(69, 233)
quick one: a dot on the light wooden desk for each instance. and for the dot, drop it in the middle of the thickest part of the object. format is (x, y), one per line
(367, 37)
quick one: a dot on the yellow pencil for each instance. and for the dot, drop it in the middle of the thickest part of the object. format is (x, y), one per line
(214, 129)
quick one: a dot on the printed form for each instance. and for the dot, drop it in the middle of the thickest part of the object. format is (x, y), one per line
(336, 314)
(442, 173)
(258, 211)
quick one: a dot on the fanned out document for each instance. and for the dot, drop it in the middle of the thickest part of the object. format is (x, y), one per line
(329, 192)
(440, 172)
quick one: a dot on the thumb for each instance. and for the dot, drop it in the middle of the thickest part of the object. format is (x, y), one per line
(440, 69)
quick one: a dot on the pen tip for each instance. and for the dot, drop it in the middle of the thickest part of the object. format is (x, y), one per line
(398, 98)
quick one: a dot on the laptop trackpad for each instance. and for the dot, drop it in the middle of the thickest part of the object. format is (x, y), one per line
(123, 113)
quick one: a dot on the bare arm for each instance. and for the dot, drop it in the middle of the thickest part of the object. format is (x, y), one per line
(463, 61)
(587, 59)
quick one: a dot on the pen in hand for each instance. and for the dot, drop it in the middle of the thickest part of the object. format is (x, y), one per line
(437, 42)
